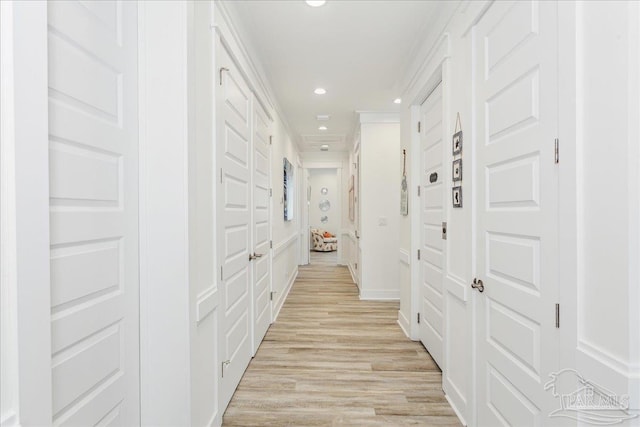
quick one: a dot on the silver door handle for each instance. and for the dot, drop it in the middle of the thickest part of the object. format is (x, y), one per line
(477, 284)
(254, 256)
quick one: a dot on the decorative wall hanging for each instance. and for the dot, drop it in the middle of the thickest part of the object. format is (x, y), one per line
(287, 198)
(456, 196)
(352, 208)
(456, 172)
(456, 166)
(324, 205)
(324, 219)
(457, 137)
(404, 191)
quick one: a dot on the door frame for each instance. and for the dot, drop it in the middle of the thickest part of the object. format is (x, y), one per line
(438, 74)
(25, 162)
(307, 166)
(258, 108)
(445, 208)
(438, 70)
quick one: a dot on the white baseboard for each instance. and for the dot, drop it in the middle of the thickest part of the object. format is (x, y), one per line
(405, 257)
(283, 298)
(404, 324)
(353, 275)
(462, 420)
(382, 295)
(216, 420)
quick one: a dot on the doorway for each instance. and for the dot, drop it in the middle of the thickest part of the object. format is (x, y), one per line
(324, 215)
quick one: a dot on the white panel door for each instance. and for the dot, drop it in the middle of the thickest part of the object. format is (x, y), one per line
(261, 225)
(515, 51)
(431, 216)
(93, 145)
(233, 108)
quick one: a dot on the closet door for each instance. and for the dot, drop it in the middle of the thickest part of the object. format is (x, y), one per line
(261, 225)
(517, 212)
(93, 159)
(431, 217)
(233, 108)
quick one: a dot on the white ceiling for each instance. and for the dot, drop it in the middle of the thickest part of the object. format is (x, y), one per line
(356, 50)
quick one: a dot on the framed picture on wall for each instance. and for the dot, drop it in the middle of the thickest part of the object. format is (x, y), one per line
(457, 143)
(456, 170)
(456, 196)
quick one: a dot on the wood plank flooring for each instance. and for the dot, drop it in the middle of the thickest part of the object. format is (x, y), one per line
(333, 360)
(323, 258)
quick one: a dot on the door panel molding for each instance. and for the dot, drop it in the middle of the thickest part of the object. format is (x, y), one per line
(516, 93)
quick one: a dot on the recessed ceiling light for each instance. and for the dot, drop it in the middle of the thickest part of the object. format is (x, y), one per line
(324, 147)
(397, 101)
(323, 117)
(315, 3)
(322, 128)
(319, 91)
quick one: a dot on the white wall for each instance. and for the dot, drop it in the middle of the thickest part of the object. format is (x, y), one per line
(203, 297)
(380, 206)
(285, 233)
(325, 178)
(8, 284)
(351, 241)
(603, 305)
(405, 248)
(164, 246)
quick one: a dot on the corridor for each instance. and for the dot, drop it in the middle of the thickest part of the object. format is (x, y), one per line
(332, 359)
(472, 169)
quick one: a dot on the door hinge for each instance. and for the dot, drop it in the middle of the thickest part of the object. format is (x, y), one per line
(418, 191)
(271, 295)
(418, 253)
(418, 317)
(557, 150)
(221, 276)
(557, 315)
(270, 244)
(221, 71)
(356, 265)
(270, 139)
(419, 126)
(220, 175)
(270, 192)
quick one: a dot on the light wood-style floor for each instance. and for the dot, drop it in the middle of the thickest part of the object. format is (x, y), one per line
(333, 360)
(323, 258)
